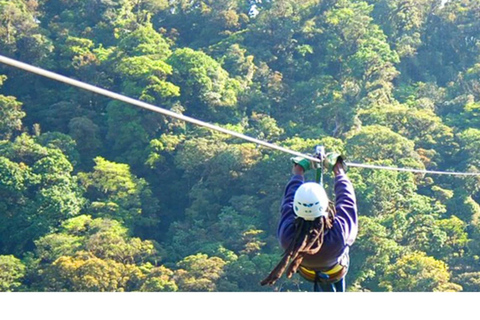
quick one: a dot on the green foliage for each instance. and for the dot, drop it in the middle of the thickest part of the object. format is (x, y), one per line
(383, 192)
(204, 22)
(158, 279)
(10, 116)
(116, 193)
(199, 273)
(38, 192)
(77, 52)
(181, 208)
(12, 270)
(418, 272)
(470, 143)
(85, 272)
(20, 33)
(377, 143)
(420, 125)
(142, 67)
(470, 281)
(61, 141)
(207, 91)
(86, 135)
(237, 62)
(454, 39)
(126, 132)
(403, 22)
(264, 127)
(373, 253)
(144, 41)
(97, 255)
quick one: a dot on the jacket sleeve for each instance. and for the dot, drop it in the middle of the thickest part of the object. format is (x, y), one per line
(286, 225)
(346, 207)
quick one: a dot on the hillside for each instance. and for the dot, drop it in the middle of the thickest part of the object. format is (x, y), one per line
(99, 195)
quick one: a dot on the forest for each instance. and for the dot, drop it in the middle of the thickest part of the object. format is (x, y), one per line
(99, 195)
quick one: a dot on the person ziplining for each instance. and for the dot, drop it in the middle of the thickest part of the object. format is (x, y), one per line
(315, 234)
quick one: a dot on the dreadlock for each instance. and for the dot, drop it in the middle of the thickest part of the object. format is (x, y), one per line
(307, 240)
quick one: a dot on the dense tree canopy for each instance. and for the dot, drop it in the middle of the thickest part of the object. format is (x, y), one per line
(98, 195)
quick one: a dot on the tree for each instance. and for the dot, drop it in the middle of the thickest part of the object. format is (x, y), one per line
(202, 22)
(451, 30)
(419, 125)
(20, 33)
(105, 238)
(61, 141)
(140, 64)
(56, 117)
(381, 193)
(465, 116)
(457, 238)
(141, 71)
(238, 63)
(470, 281)
(159, 279)
(85, 272)
(379, 143)
(89, 254)
(91, 19)
(144, 41)
(116, 193)
(244, 273)
(37, 191)
(275, 31)
(264, 127)
(126, 133)
(357, 61)
(199, 273)
(469, 142)
(417, 272)
(403, 22)
(440, 238)
(76, 53)
(373, 253)
(207, 91)
(12, 270)
(11, 115)
(87, 137)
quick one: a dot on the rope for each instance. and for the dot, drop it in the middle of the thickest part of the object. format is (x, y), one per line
(143, 105)
(147, 106)
(370, 166)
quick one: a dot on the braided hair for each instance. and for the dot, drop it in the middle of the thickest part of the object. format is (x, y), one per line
(307, 240)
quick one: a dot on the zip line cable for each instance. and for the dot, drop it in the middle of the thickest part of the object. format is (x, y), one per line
(371, 166)
(147, 106)
(143, 105)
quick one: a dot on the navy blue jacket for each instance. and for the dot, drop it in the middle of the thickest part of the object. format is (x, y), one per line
(337, 240)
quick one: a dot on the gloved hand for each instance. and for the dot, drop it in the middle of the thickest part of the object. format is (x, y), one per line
(304, 163)
(331, 159)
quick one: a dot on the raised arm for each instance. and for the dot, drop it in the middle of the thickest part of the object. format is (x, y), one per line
(287, 215)
(345, 205)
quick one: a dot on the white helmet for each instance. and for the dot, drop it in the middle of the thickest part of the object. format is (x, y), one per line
(310, 201)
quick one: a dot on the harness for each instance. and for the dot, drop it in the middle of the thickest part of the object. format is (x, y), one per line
(331, 275)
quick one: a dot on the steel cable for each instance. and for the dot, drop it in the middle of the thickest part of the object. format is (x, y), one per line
(147, 106)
